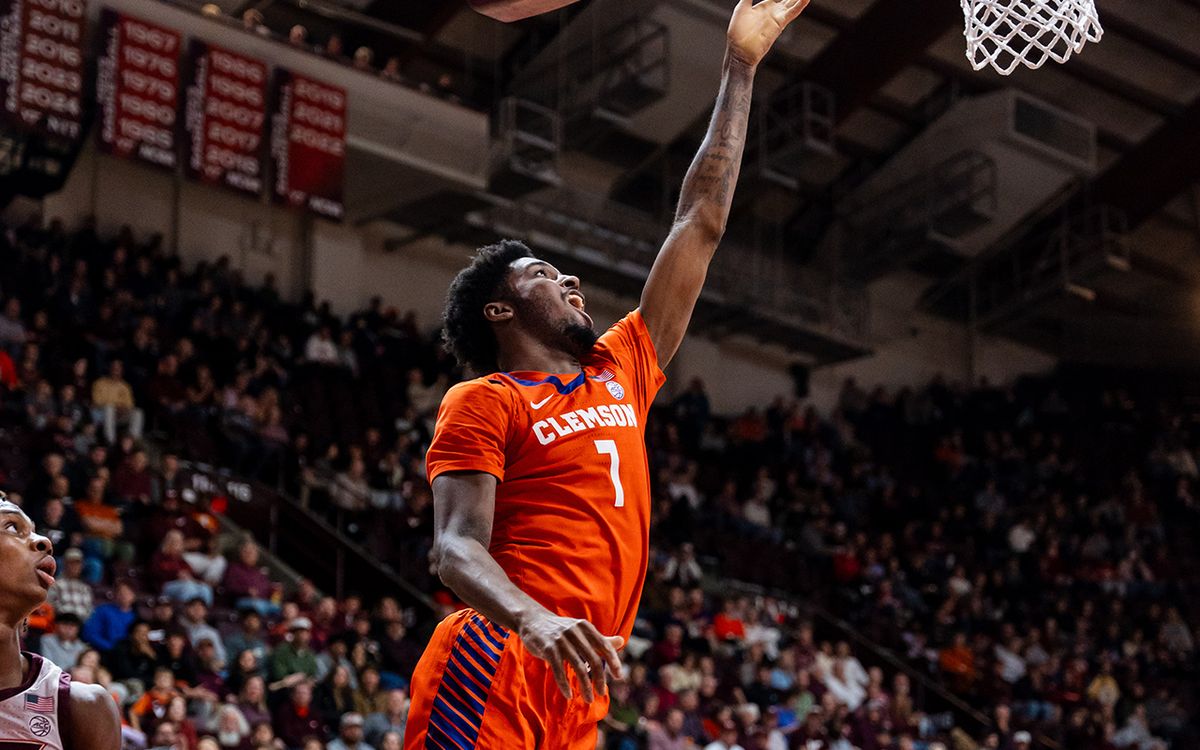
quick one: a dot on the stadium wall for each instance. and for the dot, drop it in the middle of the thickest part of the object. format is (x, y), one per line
(348, 265)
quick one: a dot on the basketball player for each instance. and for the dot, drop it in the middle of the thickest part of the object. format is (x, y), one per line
(40, 708)
(539, 470)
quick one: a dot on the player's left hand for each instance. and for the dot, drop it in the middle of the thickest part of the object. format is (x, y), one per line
(756, 25)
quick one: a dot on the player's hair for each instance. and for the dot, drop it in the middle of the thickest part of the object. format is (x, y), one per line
(468, 335)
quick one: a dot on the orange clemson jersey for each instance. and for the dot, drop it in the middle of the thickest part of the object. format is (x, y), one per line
(572, 518)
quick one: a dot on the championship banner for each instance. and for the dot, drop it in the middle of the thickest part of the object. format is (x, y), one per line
(226, 108)
(308, 144)
(42, 65)
(137, 87)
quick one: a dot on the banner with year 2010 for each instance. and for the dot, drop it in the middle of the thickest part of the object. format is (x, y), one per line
(137, 87)
(226, 108)
(308, 144)
(42, 65)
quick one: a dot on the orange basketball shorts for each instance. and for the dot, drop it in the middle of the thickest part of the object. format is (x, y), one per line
(477, 688)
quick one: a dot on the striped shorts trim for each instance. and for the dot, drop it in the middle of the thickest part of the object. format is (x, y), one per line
(457, 712)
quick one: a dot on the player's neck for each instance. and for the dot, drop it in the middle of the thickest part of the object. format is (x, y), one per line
(12, 664)
(527, 355)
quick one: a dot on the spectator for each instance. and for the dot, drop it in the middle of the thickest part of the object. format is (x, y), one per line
(12, 329)
(669, 734)
(252, 21)
(391, 70)
(293, 660)
(173, 577)
(252, 700)
(389, 721)
(320, 348)
(363, 56)
(298, 36)
(194, 622)
(231, 728)
(350, 734)
(152, 705)
(334, 48)
(334, 696)
(112, 402)
(250, 637)
(296, 718)
(135, 657)
(70, 594)
(63, 646)
(110, 622)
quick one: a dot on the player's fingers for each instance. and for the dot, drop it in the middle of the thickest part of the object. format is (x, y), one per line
(560, 675)
(614, 642)
(585, 645)
(581, 669)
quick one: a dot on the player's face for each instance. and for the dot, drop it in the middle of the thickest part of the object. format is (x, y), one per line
(550, 305)
(27, 559)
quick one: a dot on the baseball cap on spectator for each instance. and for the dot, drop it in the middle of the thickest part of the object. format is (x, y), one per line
(1022, 738)
(352, 719)
(300, 623)
(73, 554)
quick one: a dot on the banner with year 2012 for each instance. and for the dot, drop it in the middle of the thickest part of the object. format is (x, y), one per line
(137, 87)
(226, 99)
(42, 65)
(308, 144)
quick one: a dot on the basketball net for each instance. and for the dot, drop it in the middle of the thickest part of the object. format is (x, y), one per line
(1008, 33)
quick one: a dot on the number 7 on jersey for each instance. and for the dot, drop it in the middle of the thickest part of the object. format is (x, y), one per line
(609, 448)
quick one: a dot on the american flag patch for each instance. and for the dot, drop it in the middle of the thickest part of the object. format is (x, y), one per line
(43, 704)
(604, 376)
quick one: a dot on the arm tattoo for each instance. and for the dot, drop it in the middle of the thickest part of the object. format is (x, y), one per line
(714, 172)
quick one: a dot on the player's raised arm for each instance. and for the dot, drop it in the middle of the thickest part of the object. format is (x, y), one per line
(678, 273)
(464, 506)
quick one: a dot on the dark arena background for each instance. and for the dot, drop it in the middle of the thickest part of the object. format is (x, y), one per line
(924, 472)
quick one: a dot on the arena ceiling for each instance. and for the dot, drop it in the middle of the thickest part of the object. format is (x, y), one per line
(893, 70)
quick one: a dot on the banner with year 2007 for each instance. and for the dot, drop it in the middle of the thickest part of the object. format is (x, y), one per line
(226, 99)
(137, 87)
(308, 144)
(42, 65)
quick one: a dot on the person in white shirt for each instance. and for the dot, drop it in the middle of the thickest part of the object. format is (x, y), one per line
(63, 646)
(320, 349)
(842, 688)
(853, 667)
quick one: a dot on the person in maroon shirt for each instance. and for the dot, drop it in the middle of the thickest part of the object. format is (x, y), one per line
(248, 583)
(133, 482)
(171, 574)
(296, 718)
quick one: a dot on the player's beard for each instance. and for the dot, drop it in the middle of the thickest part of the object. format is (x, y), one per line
(566, 333)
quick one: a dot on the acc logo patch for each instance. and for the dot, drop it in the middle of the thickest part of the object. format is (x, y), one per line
(39, 725)
(615, 389)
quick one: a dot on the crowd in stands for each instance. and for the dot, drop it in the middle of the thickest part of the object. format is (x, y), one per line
(333, 48)
(1027, 548)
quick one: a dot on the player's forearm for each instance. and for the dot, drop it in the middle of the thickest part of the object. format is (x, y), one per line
(707, 193)
(473, 574)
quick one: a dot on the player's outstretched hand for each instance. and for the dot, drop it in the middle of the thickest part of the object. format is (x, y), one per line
(566, 642)
(756, 25)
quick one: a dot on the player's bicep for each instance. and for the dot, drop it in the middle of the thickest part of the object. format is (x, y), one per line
(464, 503)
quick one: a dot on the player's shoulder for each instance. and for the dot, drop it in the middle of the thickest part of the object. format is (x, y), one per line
(92, 722)
(487, 389)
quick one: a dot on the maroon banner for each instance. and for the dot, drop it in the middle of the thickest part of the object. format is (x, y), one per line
(226, 110)
(42, 64)
(137, 86)
(308, 144)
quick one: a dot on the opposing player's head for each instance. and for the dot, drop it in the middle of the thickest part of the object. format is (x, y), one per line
(27, 559)
(506, 293)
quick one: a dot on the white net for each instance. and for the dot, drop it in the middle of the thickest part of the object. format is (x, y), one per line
(1008, 33)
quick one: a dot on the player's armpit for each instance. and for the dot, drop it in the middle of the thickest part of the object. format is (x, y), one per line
(93, 722)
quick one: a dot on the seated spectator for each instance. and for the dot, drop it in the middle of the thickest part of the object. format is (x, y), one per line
(135, 657)
(390, 720)
(172, 575)
(298, 36)
(391, 70)
(293, 660)
(334, 696)
(393, 740)
(12, 329)
(112, 402)
(251, 700)
(206, 561)
(110, 622)
(320, 348)
(247, 581)
(334, 49)
(370, 697)
(133, 482)
(296, 718)
(63, 646)
(363, 56)
(230, 727)
(350, 734)
(70, 594)
(194, 621)
(249, 637)
(152, 706)
(252, 21)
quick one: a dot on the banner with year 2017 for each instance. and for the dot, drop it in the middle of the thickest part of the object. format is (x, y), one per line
(308, 144)
(226, 108)
(137, 87)
(42, 65)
